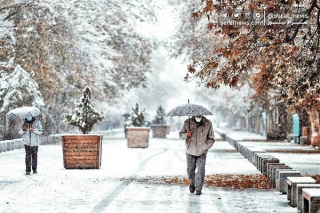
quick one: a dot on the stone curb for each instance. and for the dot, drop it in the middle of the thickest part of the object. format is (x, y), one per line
(278, 173)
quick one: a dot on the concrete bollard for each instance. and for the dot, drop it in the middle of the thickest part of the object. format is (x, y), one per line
(272, 165)
(243, 150)
(236, 145)
(256, 157)
(281, 181)
(275, 172)
(239, 147)
(265, 163)
(310, 200)
(261, 158)
(231, 141)
(292, 187)
(253, 153)
(276, 175)
(246, 152)
(301, 186)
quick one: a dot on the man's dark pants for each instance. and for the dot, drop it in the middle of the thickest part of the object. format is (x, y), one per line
(31, 157)
(198, 162)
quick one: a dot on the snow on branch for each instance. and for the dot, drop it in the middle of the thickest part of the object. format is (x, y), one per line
(84, 114)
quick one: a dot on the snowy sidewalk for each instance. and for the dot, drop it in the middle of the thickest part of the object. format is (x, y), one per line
(111, 188)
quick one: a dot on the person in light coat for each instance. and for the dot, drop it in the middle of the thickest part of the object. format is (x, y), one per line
(30, 132)
(198, 134)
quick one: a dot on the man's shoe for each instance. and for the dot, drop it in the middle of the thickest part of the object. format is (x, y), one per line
(27, 173)
(192, 188)
(198, 193)
(35, 172)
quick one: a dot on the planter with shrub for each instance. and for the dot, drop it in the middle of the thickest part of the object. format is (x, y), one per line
(137, 132)
(159, 125)
(83, 151)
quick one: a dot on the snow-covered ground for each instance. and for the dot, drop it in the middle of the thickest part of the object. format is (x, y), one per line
(111, 189)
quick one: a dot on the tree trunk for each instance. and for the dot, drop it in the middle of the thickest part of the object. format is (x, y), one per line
(314, 121)
(277, 122)
(271, 130)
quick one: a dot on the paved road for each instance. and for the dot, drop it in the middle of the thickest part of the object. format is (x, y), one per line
(111, 188)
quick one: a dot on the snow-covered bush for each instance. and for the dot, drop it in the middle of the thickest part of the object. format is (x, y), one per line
(84, 115)
(137, 117)
(18, 89)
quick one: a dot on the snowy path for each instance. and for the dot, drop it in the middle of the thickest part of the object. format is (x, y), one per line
(55, 189)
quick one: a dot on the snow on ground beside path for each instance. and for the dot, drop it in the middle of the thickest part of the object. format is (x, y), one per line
(306, 163)
(51, 188)
(300, 158)
(55, 189)
(242, 135)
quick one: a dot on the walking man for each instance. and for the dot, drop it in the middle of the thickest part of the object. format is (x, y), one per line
(198, 134)
(30, 132)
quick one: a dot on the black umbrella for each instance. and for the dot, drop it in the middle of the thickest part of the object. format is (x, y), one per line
(189, 110)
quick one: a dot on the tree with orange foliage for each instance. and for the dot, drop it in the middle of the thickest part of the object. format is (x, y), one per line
(283, 35)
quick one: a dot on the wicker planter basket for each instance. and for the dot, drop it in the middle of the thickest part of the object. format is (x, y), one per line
(138, 137)
(159, 131)
(82, 151)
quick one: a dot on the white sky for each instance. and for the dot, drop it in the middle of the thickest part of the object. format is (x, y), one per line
(165, 26)
(167, 75)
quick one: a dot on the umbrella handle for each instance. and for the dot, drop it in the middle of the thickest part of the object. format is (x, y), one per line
(189, 114)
